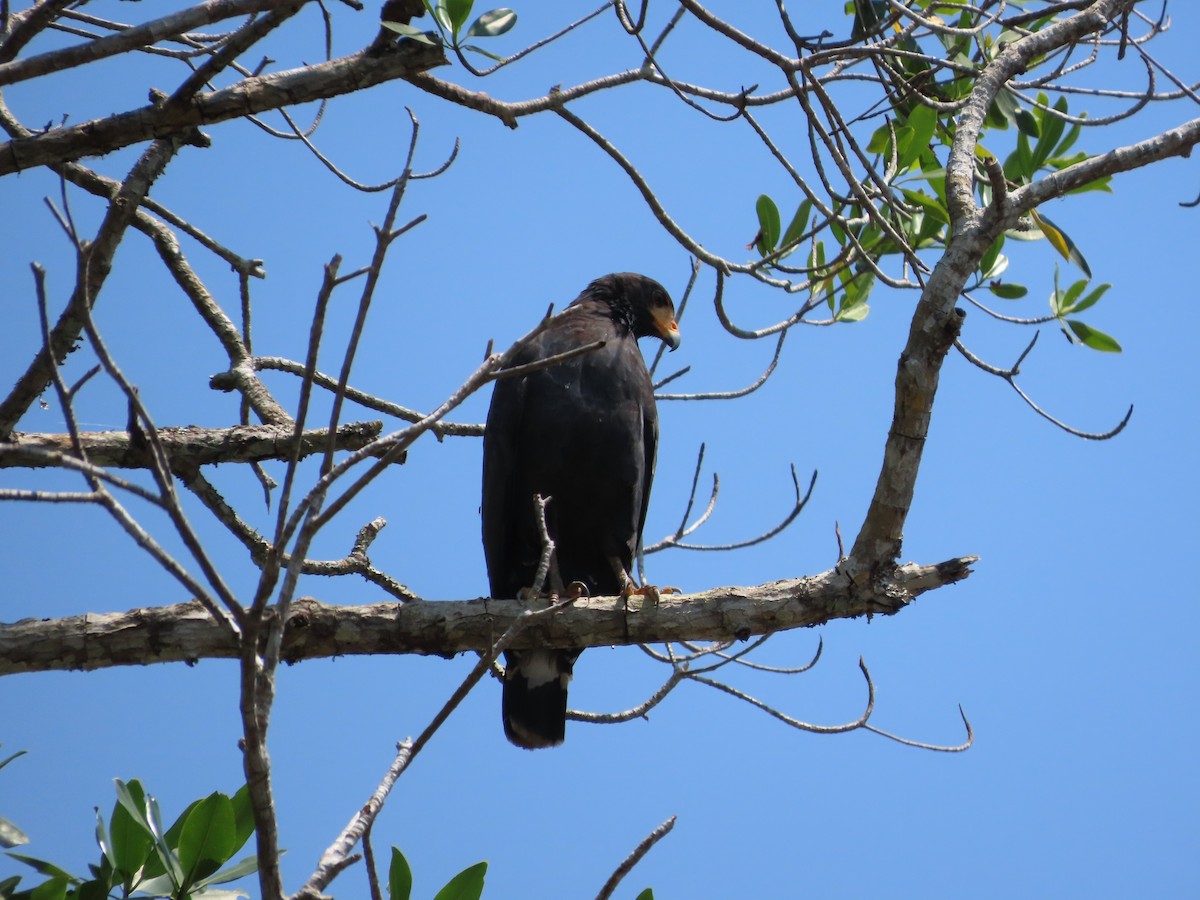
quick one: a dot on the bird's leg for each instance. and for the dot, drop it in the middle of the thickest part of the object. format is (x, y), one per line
(552, 580)
(630, 588)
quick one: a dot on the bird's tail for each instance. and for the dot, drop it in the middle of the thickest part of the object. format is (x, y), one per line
(535, 696)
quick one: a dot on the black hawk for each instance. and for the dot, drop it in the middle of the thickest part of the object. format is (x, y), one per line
(582, 433)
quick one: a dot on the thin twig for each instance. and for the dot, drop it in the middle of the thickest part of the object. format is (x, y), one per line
(635, 857)
(336, 857)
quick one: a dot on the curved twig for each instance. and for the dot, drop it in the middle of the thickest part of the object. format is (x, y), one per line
(920, 745)
(636, 712)
(635, 857)
(797, 723)
(1010, 374)
(797, 508)
(336, 857)
(742, 392)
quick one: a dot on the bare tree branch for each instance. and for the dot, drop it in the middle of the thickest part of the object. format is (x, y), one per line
(337, 856)
(185, 632)
(186, 446)
(130, 38)
(361, 70)
(635, 857)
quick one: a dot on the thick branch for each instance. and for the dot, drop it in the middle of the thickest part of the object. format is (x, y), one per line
(130, 38)
(347, 75)
(936, 322)
(186, 632)
(190, 446)
(1177, 141)
(95, 262)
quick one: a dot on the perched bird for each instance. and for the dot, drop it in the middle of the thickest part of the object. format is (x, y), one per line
(581, 433)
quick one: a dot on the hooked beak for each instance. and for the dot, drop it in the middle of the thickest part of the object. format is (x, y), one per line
(668, 330)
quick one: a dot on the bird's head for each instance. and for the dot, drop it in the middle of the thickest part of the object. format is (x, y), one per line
(642, 303)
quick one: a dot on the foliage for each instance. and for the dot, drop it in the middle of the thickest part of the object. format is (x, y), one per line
(184, 861)
(451, 16)
(466, 885)
(910, 149)
(10, 834)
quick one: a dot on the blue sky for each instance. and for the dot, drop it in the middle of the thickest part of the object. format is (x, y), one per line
(1072, 648)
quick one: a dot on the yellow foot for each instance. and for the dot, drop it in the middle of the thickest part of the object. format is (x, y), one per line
(651, 592)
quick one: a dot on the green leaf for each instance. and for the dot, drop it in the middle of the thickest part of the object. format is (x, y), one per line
(243, 815)
(466, 885)
(1021, 170)
(921, 123)
(206, 841)
(1091, 337)
(1052, 127)
(879, 139)
(92, 890)
(904, 138)
(1069, 141)
(1002, 112)
(54, 889)
(1027, 123)
(1008, 291)
(143, 809)
(799, 222)
(132, 797)
(852, 306)
(11, 835)
(159, 886)
(171, 836)
(1061, 242)
(1100, 184)
(50, 870)
(858, 289)
(647, 894)
(102, 839)
(440, 17)
(993, 263)
(928, 204)
(1066, 300)
(410, 31)
(240, 869)
(399, 877)
(868, 16)
(1092, 298)
(130, 837)
(457, 12)
(855, 313)
(493, 23)
(768, 225)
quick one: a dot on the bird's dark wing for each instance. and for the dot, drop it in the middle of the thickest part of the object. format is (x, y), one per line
(650, 457)
(511, 548)
(499, 459)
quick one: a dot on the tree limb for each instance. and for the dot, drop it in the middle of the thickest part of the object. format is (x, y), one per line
(189, 446)
(186, 633)
(346, 75)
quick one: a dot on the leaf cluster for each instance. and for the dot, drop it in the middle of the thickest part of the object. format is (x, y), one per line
(848, 245)
(187, 860)
(451, 17)
(466, 885)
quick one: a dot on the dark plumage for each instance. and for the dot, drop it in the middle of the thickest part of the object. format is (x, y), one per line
(582, 432)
